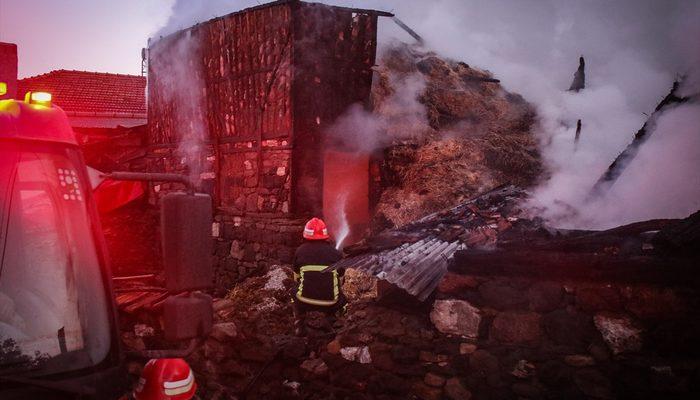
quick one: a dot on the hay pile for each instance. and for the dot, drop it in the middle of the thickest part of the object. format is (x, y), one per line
(466, 135)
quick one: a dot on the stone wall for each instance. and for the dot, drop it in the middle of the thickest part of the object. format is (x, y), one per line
(535, 338)
(478, 337)
(501, 337)
(253, 226)
(245, 245)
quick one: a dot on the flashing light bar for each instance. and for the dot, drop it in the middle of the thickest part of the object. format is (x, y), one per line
(3, 88)
(40, 98)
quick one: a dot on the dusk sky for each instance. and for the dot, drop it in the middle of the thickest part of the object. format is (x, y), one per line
(92, 35)
(107, 35)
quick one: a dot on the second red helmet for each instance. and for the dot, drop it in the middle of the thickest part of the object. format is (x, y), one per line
(166, 379)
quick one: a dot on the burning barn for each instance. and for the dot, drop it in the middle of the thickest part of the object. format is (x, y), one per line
(243, 102)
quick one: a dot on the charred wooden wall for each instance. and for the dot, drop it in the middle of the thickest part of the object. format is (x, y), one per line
(234, 95)
(259, 87)
(334, 52)
(256, 90)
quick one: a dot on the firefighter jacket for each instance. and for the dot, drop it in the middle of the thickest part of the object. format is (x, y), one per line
(317, 287)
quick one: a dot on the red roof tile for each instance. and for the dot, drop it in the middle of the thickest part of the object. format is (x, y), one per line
(90, 92)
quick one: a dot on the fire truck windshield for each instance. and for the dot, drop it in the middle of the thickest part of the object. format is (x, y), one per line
(53, 304)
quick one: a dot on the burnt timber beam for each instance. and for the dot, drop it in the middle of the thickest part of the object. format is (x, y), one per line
(410, 31)
(623, 160)
(578, 131)
(579, 81)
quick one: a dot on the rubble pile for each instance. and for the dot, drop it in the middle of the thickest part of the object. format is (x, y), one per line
(415, 256)
(253, 325)
(245, 245)
(474, 135)
(507, 330)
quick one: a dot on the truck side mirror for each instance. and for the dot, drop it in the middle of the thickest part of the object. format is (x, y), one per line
(187, 317)
(186, 221)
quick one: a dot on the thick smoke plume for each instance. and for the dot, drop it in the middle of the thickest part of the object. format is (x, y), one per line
(633, 49)
(399, 116)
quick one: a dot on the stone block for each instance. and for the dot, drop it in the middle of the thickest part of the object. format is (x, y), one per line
(569, 327)
(224, 331)
(357, 354)
(455, 390)
(467, 348)
(455, 284)
(593, 384)
(598, 298)
(516, 328)
(435, 380)
(544, 296)
(651, 303)
(620, 333)
(314, 367)
(456, 317)
(483, 363)
(426, 392)
(579, 360)
(499, 294)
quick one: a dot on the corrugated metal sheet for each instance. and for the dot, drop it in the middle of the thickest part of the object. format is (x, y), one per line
(416, 267)
(416, 256)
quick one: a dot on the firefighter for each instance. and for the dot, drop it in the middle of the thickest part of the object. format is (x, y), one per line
(166, 379)
(317, 290)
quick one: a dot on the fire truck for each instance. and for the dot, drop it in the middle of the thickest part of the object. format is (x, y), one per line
(59, 337)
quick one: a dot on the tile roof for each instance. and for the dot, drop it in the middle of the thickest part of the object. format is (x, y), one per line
(91, 92)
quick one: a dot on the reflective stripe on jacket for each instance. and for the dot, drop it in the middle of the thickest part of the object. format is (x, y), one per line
(317, 287)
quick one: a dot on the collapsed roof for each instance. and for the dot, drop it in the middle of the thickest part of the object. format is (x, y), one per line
(415, 257)
(491, 234)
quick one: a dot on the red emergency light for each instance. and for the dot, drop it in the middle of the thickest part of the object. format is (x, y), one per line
(3, 88)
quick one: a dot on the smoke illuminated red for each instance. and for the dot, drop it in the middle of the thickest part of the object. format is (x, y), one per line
(346, 195)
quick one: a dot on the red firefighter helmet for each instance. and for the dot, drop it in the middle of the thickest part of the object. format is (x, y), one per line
(315, 229)
(166, 379)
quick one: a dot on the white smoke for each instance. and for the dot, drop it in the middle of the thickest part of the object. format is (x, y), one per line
(185, 13)
(399, 116)
(343, 229)
(633, 48)
(181, 85)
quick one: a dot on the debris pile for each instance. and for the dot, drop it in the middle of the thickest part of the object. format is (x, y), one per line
(517, 330)
(474, 136)
(415, 256)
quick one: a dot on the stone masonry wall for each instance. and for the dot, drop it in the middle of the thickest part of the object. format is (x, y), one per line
(246, 244)
(534, 338)
(478, 337)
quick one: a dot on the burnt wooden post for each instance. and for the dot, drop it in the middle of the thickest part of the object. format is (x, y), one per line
(579, 81)
(622, 161)
(578, 132)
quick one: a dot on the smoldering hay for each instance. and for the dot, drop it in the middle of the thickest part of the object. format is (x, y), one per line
(633, 49)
